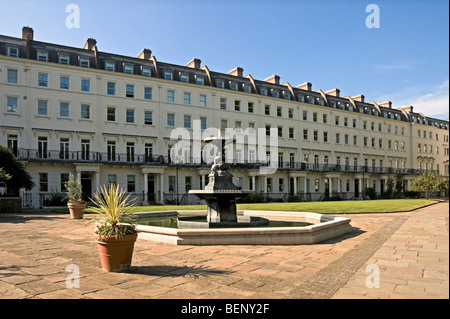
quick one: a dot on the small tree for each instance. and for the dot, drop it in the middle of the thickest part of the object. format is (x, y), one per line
(20, 178)
(429, 183)
(74, 191)
(398, 185)
(389, 188)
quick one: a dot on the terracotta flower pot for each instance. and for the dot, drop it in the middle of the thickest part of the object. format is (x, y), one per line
(76, 210)
(116, 254)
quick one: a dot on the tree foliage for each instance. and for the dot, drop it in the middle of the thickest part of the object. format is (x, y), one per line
(20, 178)
(429, 183)
(3, 176)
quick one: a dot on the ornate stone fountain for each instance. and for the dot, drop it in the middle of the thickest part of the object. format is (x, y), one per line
(223, 226)
(220, 194)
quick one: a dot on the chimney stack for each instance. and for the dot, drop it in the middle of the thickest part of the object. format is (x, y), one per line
(237, 71)
(194, 63)
(386, 104)
(334, 92)
(90, 44)
(273, 79)
(305, 86)
(145, 54)
(359, 98)
(27, 33)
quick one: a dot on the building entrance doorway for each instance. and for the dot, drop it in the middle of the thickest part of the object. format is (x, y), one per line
(151, 198)
(356, 187)
(86, 186)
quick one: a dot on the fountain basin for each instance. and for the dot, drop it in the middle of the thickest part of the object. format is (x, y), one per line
(323, 227)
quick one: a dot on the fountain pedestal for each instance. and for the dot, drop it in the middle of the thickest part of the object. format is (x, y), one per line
(220, 194)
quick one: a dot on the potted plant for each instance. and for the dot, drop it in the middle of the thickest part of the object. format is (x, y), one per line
(76, 203)
(115, 235)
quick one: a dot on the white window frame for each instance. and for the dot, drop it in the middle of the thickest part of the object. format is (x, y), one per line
(83, 87)
(199, 80)
(46, 80)
(42, 56)
(220, 84)
(128, 68)
(46, 107)
(9, 50)
(146, 71)
(11, 108)
(60, 109)
(84, 112)
(184, 77)
(110, 66)
(9, 77)
(62, 57)
(168, 75)
(84, 62)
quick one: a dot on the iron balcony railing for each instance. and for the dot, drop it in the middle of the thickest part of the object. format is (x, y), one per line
(35, 155)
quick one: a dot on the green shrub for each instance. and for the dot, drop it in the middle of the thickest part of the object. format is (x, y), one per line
(370, 191)
(294, 198)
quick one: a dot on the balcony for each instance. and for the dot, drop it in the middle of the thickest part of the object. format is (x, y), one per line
(34, 155)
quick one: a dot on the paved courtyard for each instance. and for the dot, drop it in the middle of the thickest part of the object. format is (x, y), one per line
(410, 250)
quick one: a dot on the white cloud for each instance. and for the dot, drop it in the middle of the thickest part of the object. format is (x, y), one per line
(435, 103)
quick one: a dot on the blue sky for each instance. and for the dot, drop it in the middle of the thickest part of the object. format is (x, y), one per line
(327, 43)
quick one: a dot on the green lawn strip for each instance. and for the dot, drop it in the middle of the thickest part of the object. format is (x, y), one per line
(331, 207)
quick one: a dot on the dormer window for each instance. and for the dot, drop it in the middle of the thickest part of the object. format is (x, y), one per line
(233, 86)
(42, 56)
(220, 84)
(310, 99)
(128, 68)
(320, 101)
(64, 59)
(168, 75)
(263, 91)
(13, 52)
(184, 78)
(246, 88)
(84, 62)
(286, 95)
(301, 98)
(199, 80)
(109, 66)
(145, 71)
(275, 93)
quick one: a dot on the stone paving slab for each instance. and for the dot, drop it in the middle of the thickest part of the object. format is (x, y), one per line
(410, 250)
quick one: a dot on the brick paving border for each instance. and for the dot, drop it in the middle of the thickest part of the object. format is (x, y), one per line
(327, 281)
